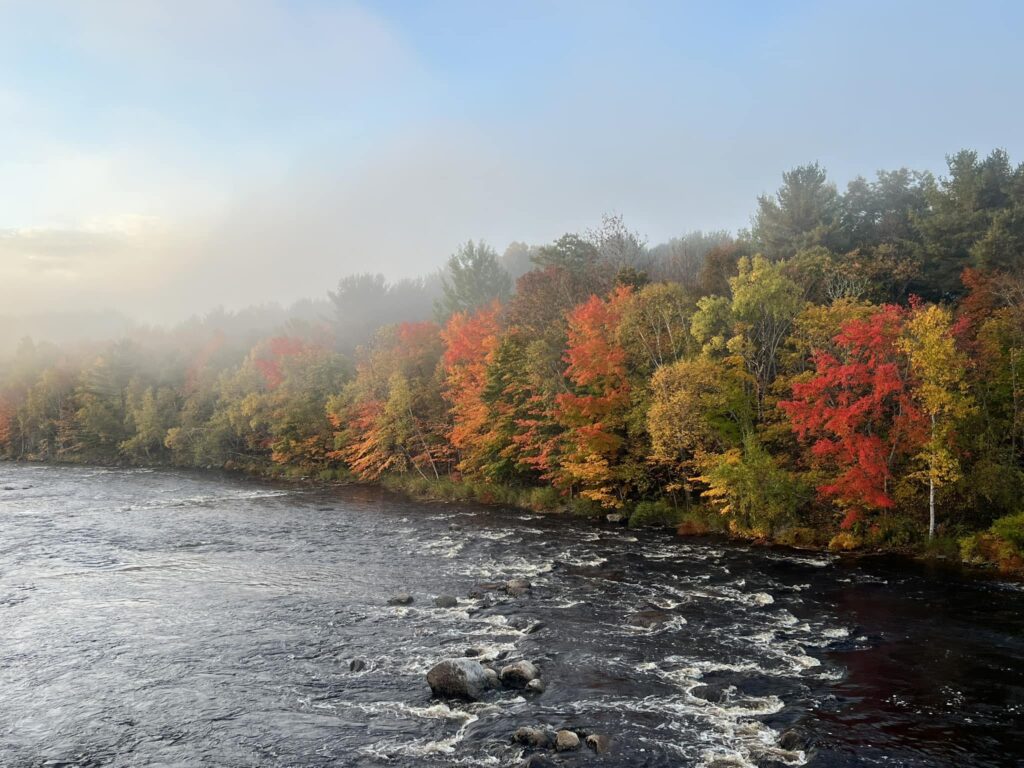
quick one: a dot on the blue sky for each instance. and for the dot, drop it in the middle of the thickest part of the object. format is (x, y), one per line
(164, 157)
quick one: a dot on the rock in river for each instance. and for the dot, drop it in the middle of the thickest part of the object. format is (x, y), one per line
(458, 679)
(648, 619)
(535, 686)
(401, 599)
(599, 743)
(532, 737)
(566, 741)
(357, 665)
(517, 587)
(446, 601)
(519, 675)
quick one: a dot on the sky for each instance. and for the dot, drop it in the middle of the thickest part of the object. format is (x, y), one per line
(161, 158)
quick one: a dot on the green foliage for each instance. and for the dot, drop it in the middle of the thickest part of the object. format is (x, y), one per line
(474, 278)
(1010, 528)
(659, 514)
(749, 485)
(800, 215)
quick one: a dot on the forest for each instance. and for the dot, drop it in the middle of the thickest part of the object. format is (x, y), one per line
(849, 372)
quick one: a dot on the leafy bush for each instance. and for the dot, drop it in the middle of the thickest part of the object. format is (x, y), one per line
(700, 521)
(797, 536)
(844, 541)
(654, 513)
(584, 507)
(896, 531)
(541, 499)
(750, 486)
(1010, 528)
(990, 549)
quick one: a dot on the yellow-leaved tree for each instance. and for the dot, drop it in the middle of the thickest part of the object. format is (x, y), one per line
(939, 369)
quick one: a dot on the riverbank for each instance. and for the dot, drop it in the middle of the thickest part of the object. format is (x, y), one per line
(982, 553)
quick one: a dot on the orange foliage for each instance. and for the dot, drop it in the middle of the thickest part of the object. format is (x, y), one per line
(470, 341)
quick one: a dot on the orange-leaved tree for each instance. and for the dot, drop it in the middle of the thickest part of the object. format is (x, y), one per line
(594, 411)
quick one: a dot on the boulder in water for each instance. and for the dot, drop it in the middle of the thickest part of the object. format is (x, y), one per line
(535, 686)
(519, 675)
(648, 619)
(517, 587)
(532, 737)
(458, 679)
(446, 601)
(792, 741)
(357, 665)
(403, 598)
(599, 743)
(616, 518)
(525, 624)
(566, 741)
(493, 681)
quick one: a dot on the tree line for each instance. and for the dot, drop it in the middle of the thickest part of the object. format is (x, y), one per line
(850, 371)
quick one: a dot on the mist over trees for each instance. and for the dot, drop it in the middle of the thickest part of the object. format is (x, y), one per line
(850, 371)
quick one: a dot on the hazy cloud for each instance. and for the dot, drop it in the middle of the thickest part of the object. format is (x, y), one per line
(164, 157)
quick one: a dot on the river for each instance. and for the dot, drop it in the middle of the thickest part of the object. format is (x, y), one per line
(170, 618)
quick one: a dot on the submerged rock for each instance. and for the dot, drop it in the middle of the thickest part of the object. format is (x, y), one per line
(599, 743)
(458, 679)
(566, 741)
(524, 624)
(716, 693)
(446, 601)
(726, 762)
(792, 741)
(532, 737)
(403, 598)
(357, 665)
(519, 675)
(538, 761)
(517, 587)
(648, 619)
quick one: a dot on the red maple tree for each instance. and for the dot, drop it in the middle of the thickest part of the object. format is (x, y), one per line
(858, 413)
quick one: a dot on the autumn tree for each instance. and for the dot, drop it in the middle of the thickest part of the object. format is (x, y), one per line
(939, 369)
(859, 414)
(470, 341)
(593, 412)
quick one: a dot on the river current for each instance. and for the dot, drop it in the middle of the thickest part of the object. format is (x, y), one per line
(158, 618)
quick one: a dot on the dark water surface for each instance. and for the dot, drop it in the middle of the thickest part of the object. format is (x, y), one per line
(163, 618)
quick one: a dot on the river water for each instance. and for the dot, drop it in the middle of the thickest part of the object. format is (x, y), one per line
(168, 618)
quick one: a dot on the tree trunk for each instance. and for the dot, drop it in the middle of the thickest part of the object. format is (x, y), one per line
(931, 508)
